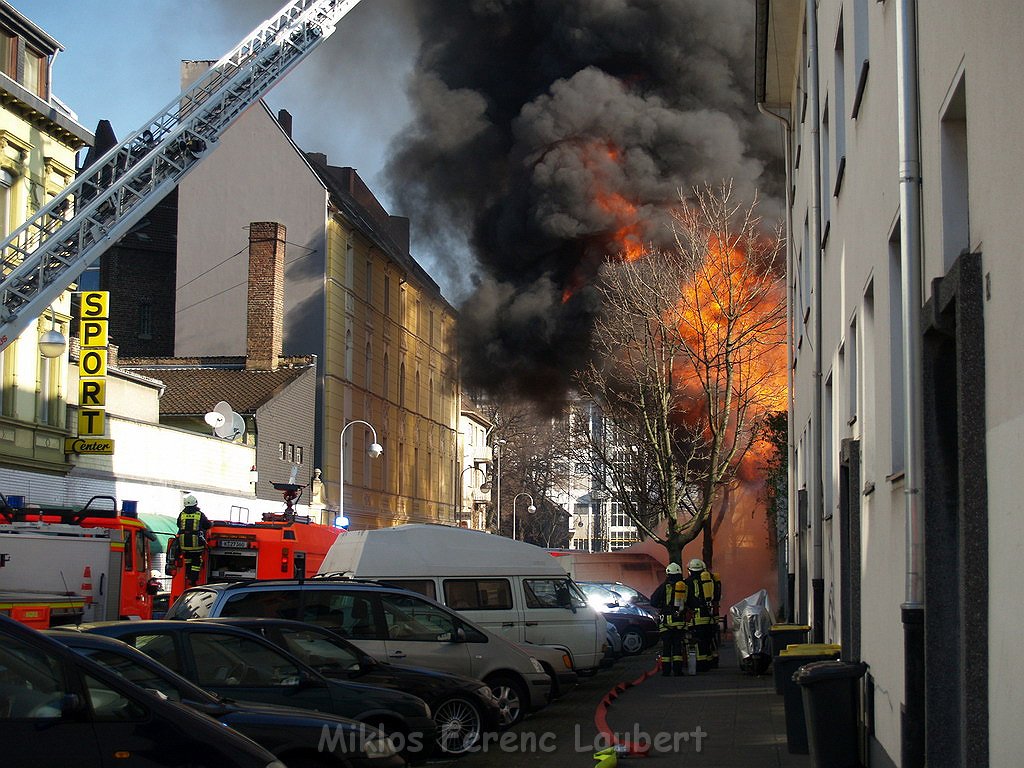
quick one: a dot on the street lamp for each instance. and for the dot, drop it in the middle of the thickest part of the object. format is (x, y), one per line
(484, 487)
(373, 452)
(497, 458)
(531, 509)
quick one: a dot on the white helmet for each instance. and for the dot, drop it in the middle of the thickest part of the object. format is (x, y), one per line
(190, 501)
(673, 568)
(696, 565)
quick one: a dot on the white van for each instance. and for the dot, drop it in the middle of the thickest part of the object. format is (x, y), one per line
(511, 588)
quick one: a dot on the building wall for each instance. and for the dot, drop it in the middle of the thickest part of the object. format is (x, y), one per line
(971, 161)
(413, 413)
(253, 173)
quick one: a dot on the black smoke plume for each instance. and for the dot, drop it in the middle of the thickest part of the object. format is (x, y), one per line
(544, 127)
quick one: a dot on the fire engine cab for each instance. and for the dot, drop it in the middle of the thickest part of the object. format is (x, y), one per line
(61, 565)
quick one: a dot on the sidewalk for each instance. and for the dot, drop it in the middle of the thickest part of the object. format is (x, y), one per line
(722, 718)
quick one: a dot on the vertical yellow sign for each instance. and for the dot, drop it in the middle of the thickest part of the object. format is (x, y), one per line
(92, 363)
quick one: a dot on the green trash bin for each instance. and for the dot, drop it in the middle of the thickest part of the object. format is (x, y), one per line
(780, 636)
(789, 661)
(830, 696)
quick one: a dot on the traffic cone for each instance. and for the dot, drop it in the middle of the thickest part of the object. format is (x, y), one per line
(87, 585)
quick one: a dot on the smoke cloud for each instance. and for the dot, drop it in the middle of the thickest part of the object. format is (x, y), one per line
(542, 131)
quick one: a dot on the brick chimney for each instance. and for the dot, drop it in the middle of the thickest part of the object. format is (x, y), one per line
(265, 317)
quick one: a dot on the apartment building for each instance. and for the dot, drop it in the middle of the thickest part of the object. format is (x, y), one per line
(899, 124)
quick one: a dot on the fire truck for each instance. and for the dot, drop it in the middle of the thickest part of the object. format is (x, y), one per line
(64, 565)
(281, 546)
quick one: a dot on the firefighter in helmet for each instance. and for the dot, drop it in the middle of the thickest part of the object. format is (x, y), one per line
(703, 594)
(670, 599)
(191, 539)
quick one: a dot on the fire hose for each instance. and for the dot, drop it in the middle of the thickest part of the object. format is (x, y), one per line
(609, 757)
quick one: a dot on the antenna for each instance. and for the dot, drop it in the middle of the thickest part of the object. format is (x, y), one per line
(225, 422)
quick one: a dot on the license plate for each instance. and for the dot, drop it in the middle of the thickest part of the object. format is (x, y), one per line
(233, 543)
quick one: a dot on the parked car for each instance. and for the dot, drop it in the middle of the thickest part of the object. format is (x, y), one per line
(238, 664)
(387, 623)
(630, 595)
(293, 735)
(638, 629)
(464, 708)
(60, 708)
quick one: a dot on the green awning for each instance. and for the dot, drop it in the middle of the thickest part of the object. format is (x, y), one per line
(162, 526)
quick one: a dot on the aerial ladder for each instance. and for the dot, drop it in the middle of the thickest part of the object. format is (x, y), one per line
(45, 255)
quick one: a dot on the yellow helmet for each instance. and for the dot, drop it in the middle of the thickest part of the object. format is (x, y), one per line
(673, 568)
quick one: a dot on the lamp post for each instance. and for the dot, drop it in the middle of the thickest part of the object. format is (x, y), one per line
(373, 452)
(484, 486)
(497, 459)
(531, 509)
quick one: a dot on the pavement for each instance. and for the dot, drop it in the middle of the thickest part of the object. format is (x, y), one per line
(723, 718)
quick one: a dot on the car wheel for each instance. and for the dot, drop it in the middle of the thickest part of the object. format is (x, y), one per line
(632, 641)
(459, 725)
(511, 696)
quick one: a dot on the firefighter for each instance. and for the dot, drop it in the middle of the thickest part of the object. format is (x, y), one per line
(191, 538)
(670, 599)
(703, 593)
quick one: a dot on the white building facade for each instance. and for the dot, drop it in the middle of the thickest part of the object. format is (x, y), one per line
(904, 159)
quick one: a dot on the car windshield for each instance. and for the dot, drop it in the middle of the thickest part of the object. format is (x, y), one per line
(144, 677)
(599, 597)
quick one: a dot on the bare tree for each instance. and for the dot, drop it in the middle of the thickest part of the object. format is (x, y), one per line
(690, 360)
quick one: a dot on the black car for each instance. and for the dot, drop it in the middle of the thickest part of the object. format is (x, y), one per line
(59, 708)
(638, 629)
(296, 736)
(463, 708)
(238, 664)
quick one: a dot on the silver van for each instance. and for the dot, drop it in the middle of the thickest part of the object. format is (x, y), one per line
(511, 588)
(388, 623)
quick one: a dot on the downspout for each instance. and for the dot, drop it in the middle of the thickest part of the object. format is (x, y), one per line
(816, 494)
(912, 610)
(784, 578)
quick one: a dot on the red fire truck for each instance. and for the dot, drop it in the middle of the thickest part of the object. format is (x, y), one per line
(281, 546)
(62, 565)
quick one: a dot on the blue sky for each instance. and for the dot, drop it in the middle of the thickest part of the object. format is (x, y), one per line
(121, 61)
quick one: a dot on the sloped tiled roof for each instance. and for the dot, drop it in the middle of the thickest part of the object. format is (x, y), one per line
(194, 389)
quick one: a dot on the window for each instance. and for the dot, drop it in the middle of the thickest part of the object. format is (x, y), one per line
(291, 453)
(33, 75)
(48, 397)
(387, 295)
(280, 451)
(298, 454)
(369, 282)
(227, 660)
(828, 450)
(417, 392)
(551, 593)
(368, 367)
(424, 586)
(8, 54)
(955, 176)
(478, 594)
(401, 384)
(263, 604)
(321, 651)
(367, 461)
(897, 411)
(387, 377)
(145, 330)
(853, 375)
(6, 182)
(110, 706)
(33, 682)
(133, 671)
(826, 170)
(162, 648)
(348, 354)
(410, 618)
(839, 107)
(860, 51)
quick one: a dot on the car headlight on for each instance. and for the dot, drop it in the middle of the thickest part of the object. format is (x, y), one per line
(537, 667)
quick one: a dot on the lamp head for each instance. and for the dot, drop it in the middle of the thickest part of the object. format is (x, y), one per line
(52, 344)
(375, 450)
(531, 509)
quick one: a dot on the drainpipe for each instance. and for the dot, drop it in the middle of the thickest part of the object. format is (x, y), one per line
(816, 491)
(791, 540)
(912, 610)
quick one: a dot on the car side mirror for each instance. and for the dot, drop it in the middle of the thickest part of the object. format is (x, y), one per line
(71, 704)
